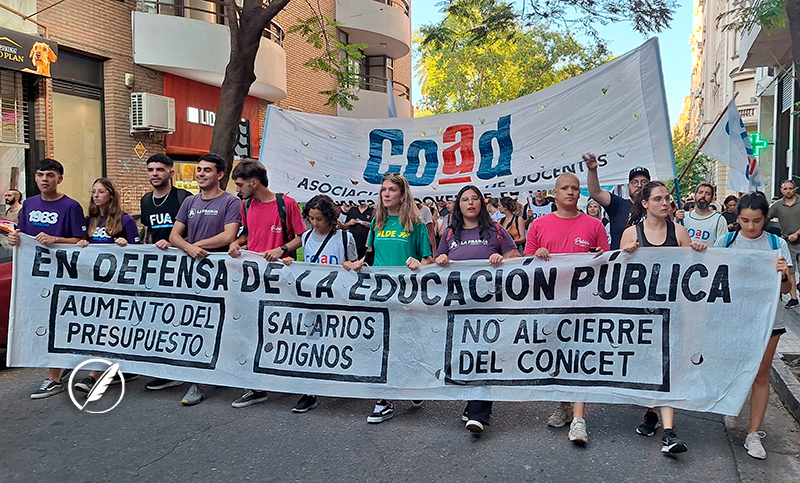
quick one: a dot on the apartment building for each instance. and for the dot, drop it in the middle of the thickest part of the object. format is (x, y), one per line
(108, 50)
(770, 54)
(716, 75)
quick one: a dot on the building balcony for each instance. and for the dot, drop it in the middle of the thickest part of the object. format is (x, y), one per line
(373, 102)
(759, 48)
(384, 25)
(749, 113)
(192, 41)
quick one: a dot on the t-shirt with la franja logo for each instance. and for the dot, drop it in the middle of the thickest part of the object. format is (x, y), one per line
(62, 217)
(207, 218)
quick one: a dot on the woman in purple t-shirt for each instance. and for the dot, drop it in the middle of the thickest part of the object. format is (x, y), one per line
(107, 224)
(472, 235)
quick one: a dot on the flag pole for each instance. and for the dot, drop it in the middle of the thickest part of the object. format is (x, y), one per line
(702, 143)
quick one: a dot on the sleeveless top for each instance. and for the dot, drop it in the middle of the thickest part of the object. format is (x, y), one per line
(511, 227)
(671, 240)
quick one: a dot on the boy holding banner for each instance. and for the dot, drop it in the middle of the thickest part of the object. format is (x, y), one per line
(567, 230)
(272, 223)
(51, 217)
(210, 221)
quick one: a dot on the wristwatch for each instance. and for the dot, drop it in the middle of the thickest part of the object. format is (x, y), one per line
(284, 247)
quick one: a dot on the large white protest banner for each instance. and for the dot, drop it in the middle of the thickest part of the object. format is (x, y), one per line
(657, 327)
(616, 111)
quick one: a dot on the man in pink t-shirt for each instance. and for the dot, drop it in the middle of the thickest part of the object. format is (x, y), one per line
(264, 231)
(567, 230)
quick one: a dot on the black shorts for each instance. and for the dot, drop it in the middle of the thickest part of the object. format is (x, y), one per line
(777, 332)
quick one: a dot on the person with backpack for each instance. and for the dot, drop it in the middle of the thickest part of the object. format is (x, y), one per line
(159, 209)
(650, 226)
(753, 216)
(472, 235)
(323, 243)
(272, 224)
(397, 237)
(567, 230)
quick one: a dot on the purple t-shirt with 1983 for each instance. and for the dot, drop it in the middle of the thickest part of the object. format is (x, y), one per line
(470, 245)
(207, 218)
(62, 217)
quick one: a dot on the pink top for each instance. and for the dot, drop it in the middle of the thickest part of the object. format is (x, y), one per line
(566, 235)
(263, 223)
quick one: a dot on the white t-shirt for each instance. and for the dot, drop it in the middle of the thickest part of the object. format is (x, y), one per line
(705, 229)
(426, 215)
(334, 252)
(540, 211)
(762, 243)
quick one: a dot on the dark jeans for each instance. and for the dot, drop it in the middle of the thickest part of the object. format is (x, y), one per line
(479, 411)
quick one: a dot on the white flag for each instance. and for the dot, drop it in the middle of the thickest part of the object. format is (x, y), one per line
(729, 143)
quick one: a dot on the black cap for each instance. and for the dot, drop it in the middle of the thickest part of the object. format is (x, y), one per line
(639, 170)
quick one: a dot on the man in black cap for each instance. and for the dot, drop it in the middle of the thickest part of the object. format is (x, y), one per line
(616, 207)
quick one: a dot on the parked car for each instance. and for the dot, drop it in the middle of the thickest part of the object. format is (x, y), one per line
(6, 227)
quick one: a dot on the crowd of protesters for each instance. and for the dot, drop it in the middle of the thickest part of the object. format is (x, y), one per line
(398, 231)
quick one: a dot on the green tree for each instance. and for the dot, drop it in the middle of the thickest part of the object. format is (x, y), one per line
(466, 65)
(684, 147)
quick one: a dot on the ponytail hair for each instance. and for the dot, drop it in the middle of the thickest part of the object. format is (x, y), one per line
(754, 200)
(638, 211)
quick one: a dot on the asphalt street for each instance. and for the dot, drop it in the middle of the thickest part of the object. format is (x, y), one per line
(151, 437)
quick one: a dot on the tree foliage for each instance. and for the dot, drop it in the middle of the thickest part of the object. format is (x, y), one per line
(335, 57)
(645, 16)
(684, 147)
(480, 54)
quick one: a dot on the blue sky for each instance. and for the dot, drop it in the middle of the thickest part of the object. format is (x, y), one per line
(676, 55)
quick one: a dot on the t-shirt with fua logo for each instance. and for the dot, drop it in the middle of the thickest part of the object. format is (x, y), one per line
(158, 214)
(62, 217)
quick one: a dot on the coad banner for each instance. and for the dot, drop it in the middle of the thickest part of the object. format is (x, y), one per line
(665, 326)
(616, 111)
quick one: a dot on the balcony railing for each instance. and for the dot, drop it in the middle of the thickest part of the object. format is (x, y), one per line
(747, 112)
(378, 84)
(212, 11)
(400, 5)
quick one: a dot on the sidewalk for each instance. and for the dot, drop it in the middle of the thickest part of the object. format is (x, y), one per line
(780, 422)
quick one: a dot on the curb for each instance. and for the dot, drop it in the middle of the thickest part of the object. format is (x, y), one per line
(786, 386)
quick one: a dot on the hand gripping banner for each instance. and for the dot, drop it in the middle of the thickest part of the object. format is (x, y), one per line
(665, 326)
(616, 111)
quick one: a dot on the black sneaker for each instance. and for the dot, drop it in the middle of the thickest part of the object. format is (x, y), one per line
(792, 303)
(416, 404)
(65, 375)
(383, 410)
(670, 443)
(86, 384)
(464, 416)
(305, 403)
(475, 426)
(47, 388)
(249, 398)
(649, 425)
(159, 384)
(128, 378)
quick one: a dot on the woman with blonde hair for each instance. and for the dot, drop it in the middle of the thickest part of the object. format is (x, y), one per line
(398, 237)
(108, 223)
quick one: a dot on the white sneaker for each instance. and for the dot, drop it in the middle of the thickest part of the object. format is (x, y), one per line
(577, 431)
(561, 416)
(752, 443)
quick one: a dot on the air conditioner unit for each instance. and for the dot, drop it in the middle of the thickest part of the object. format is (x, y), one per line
(152, 113)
